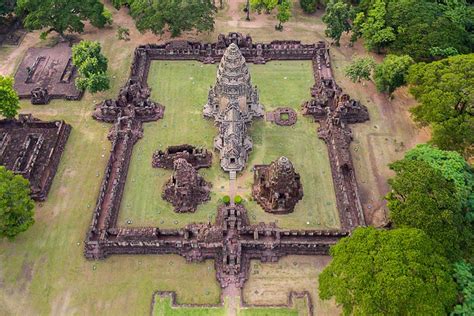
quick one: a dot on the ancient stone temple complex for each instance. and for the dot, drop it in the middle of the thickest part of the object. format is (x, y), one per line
(233, 102)
(277, 187)
(186, 189)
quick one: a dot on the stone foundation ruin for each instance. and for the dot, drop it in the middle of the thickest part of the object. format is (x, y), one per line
(282, 116)
(277, 187)
(33, 148)
(47, 73)
(186, 188)
(231, 241)
(197, 157)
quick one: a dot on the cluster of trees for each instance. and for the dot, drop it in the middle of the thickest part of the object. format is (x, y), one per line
(176, 16)
(91, 65)
(422, 29)
(444, 90)
(413, 268)
(283, 7)
(62, 16)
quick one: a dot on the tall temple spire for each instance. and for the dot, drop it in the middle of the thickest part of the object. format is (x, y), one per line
(233, 102)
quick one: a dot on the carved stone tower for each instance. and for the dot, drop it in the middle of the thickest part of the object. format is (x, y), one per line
(233, 103)
(277, 187)
(186, 189)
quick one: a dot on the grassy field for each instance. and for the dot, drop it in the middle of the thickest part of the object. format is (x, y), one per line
(182, 87)
(270, 283)
(163, 307)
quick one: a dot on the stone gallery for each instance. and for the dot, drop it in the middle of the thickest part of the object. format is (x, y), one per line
(277, 187)
(233, 103)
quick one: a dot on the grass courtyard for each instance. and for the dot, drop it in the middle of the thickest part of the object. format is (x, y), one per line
(182, 87)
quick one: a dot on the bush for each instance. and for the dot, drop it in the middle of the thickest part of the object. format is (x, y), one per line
(238, 199)
(226, 199)
(123, 33)
(309, 6)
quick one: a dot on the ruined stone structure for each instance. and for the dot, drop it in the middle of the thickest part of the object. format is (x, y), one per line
(233, 103)
(277, 187)
(197, 157)
(133, 97)
(186, 188)
(231, 241)
(282, 116)
(47, 73)
(33, 148)
(334, 110)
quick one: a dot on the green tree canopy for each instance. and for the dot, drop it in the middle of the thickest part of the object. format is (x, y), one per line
(464, 276)
(174, 15)
(91, 65)
(388, 272)
(392, 72)
(267, 5)
(373, 27)
(62, 15)
(360, 69)
(16, 205)
(445, 92)
(421, 197)
(452, 166)
(7, 6)
(309, 6)
(284, 13)
(422, 29)
(337, 19)
(9, 101)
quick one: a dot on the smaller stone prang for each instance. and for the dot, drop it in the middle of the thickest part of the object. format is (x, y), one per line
(277, 187)
(278, 116)
(186, 189)
(197, 157)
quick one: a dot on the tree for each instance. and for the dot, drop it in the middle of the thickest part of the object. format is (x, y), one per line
(61, 15)
(464, 276)
(373, 28)
(7, 6)
(421, 197)
(9, 101)
(284, 13)
(391, 73)
(16, 205)
(360, 69)
(174, 15)
(267, 5)
(445, 90)
(388, 272)
(309, 6)
(91, 65)
(337, 19)
(452, 166)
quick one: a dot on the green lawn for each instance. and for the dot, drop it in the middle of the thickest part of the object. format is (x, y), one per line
(182, 87)
(163, 307)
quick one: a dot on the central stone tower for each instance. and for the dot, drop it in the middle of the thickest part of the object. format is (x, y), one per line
(233, 102)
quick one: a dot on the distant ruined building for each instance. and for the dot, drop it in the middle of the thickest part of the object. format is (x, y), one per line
(277, 187)
(233, 103)
(186, 189)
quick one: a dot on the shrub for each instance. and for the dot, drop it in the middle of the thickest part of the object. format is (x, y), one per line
(226, 199)
(309, 6)
(238, 199)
